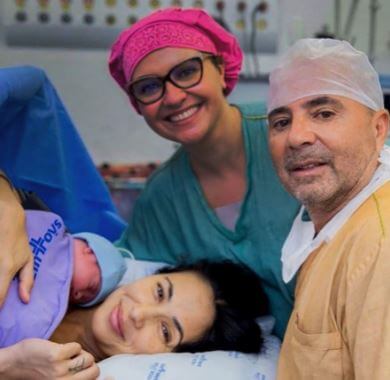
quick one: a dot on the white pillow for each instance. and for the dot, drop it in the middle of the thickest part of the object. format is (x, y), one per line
(213, 365)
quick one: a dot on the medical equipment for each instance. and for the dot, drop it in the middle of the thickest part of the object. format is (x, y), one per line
(350, 19)
(95, 24)
(371, 9)
(374, 7)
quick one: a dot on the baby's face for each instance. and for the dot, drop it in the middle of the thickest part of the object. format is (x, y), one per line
(86, 279)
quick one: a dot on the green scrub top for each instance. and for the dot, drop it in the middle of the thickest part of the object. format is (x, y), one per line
(172, 221)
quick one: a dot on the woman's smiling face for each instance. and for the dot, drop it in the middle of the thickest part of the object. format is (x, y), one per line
(154, 314)
(187, 115)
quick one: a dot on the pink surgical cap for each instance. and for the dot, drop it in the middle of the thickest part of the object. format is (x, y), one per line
(324, 67)
(174, 27)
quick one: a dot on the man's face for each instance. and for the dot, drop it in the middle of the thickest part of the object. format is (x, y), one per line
(325, 148)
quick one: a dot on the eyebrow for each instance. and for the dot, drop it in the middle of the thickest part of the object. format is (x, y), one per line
(322, 100)
(279, 110)
(177, 324)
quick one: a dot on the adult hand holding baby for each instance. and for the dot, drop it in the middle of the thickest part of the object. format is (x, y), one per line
(16, 256)
(33, 359)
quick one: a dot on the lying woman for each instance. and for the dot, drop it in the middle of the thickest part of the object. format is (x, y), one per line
(199, 307)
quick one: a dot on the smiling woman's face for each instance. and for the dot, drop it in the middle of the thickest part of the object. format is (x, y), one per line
(154, 314)
(186, 116)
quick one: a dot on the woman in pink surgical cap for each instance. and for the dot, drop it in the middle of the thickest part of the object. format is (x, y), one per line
(218, 196)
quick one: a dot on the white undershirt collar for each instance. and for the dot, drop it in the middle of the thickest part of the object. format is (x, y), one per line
(301, 242)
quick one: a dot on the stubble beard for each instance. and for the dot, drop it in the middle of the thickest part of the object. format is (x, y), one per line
(311, 190)
(317, 193)
(324, 194)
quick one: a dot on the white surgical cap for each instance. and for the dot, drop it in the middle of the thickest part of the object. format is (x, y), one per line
(324, 67)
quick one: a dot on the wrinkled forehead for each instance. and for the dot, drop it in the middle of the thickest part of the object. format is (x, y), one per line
(312, 102)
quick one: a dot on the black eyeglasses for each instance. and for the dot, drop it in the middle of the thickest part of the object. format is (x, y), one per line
(148, 90)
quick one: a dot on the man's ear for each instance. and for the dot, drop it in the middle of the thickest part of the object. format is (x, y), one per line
(381, 123)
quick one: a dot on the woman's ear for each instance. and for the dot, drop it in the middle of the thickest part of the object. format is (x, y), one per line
(221, 69)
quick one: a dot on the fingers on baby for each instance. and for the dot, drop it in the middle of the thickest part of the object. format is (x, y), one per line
(26, 280)
(19, 260)
(79, 362)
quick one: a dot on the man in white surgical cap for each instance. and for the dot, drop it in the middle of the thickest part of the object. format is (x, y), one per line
(327, 127)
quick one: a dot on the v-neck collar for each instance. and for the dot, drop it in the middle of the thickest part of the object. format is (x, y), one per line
(240, 231)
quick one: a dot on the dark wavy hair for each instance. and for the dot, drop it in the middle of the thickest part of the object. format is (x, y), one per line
(238, 299)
